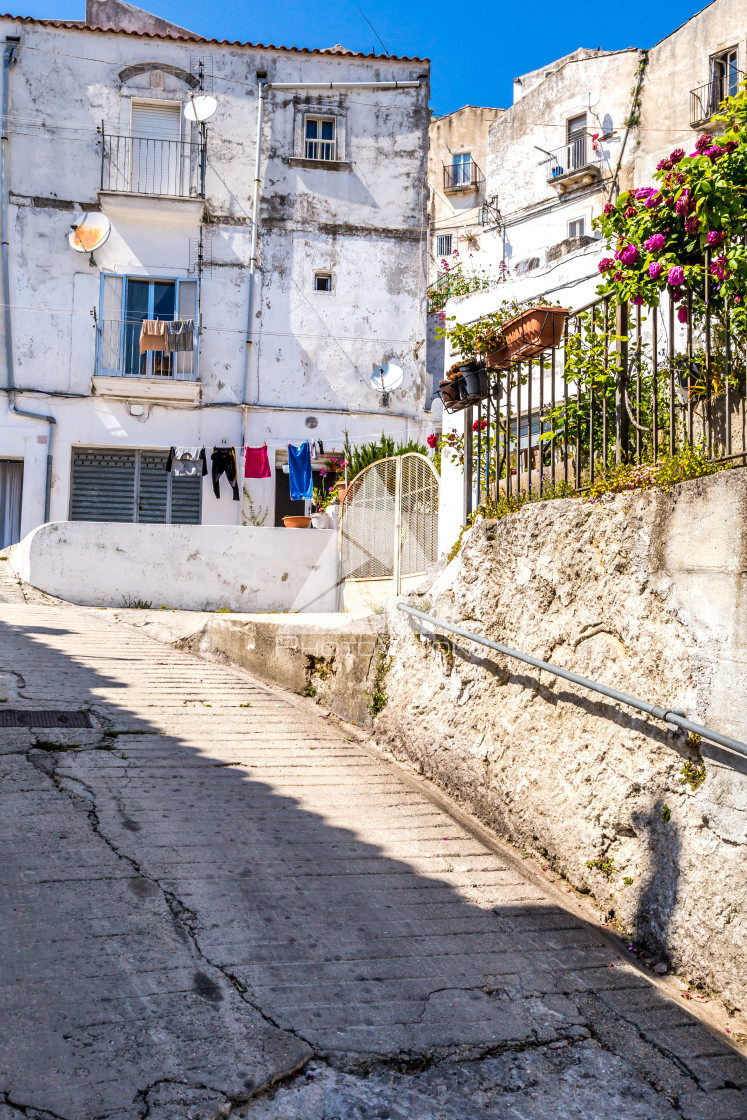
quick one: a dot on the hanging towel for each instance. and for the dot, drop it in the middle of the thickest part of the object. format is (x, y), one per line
(256, 463)
(224, 462)
(153, 335)
(187, 462)
(314, 450)
(299, 469)
(180, 334)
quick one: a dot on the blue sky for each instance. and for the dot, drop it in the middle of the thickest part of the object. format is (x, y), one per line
(476, 50)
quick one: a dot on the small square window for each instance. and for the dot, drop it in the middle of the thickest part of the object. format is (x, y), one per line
(322, 282)
(577, 227)
(443, 245)
(319, 133)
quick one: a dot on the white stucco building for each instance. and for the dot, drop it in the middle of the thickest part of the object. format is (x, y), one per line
(95, 125)
(581, 130)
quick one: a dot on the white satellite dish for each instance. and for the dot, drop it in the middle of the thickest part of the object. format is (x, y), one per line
(385, 379)
(199, 109)
(89, 233)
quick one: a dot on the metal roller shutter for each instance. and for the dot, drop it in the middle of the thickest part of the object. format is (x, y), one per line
(131, 486)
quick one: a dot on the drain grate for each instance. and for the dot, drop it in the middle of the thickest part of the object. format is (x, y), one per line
(49, 718)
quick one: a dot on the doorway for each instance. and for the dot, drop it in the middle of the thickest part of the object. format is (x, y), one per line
(11, 491)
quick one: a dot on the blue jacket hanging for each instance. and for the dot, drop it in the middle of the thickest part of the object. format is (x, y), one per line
(299, 469)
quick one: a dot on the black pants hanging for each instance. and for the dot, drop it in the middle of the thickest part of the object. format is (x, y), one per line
(224, 462)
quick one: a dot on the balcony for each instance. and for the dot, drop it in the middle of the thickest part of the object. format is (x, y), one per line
(706, 99)
(122, 371)
(574, 165)
(462, 177)
(140, 165)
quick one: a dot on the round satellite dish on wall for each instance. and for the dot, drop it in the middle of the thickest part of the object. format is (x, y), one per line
(199, 109)
(385, 379)
(89, 233)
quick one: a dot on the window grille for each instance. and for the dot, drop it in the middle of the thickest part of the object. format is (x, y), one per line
(443, 245)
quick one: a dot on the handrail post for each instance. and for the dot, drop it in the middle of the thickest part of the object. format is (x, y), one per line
(621, 412)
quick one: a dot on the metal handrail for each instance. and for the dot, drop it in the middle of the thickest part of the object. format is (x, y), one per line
(665, 714)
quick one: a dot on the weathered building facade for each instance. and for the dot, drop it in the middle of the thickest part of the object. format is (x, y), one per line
(580, 131)
(292, 315)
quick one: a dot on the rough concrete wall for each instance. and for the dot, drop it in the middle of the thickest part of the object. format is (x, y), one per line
(642, 592)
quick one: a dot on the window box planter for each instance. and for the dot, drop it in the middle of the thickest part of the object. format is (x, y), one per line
(500, 358)
(534, 331)
(296, 521)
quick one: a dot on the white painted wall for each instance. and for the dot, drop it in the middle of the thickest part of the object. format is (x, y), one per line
(314, 352)
(190, 567)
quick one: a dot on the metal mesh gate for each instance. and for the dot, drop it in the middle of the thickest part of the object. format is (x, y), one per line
(389, 520)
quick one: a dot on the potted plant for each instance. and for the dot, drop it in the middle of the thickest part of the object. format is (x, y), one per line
(296, 521)
(534, 330)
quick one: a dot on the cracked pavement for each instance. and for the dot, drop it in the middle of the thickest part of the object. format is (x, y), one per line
(216, 904)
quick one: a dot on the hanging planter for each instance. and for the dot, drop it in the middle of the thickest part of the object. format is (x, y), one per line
(474, 385)
(500, 358)
(535, 330)
(449, 391)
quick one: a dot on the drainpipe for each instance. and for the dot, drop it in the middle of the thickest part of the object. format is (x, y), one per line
(9, 59)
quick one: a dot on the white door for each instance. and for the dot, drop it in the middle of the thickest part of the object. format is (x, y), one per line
(156, 163)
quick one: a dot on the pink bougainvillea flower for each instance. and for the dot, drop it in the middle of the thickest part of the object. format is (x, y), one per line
(704, 141)
(664, 165)
(677, 155)
(617, 277)
(653, 201)
(654, 243)
(631, 212)
(682, 313)
(629, 255)
(644, 192)
(714, 152)
(637, 301)
(692, 224)
(654, 270)
(715, 237)
(609, 209)
(682, 205)
(606, 264)
(676, 276)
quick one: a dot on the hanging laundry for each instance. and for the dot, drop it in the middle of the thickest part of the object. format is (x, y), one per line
(187, 462)
(299, 469)
(153, 336)
(314, 450)
(224, 462)
(180, 334)
(321, 448)
(256, 463)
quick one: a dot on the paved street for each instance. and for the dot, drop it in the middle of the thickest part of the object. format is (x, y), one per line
(212, 889)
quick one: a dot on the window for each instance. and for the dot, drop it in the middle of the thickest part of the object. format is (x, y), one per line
(576, 228)
(462, 169)
(127, 485)
(443, 245)
(527, 266)
(322, 282)
(157, 151)
(11, 491)
(724, 77)
(126, 301)
(576, 142)
(319, 133)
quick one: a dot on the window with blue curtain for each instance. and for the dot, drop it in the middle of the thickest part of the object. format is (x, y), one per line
(319, 135)
(126, 302)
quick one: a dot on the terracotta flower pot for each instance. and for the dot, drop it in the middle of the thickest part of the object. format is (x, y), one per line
(296, 521)
(534, 331)
(499, 358)
(449, 391)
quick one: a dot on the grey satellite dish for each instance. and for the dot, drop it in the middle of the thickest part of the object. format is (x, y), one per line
(385, 379)
(89, 233)
(200, 109)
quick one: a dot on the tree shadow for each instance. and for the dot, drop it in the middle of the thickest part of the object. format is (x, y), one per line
(206, 896)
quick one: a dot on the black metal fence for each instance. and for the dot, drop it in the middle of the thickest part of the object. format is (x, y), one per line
(706, 99)
(626, 385)
(143, 165)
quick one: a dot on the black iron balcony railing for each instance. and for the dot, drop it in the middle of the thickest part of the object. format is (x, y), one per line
(575, 155)
(705, 100)
(142, 165)
(119, 354)
(462, 176)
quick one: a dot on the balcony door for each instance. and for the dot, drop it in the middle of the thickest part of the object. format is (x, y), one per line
(724, 79)
(576, 142)
(11, 489)
(126, 301)
(156, 149)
